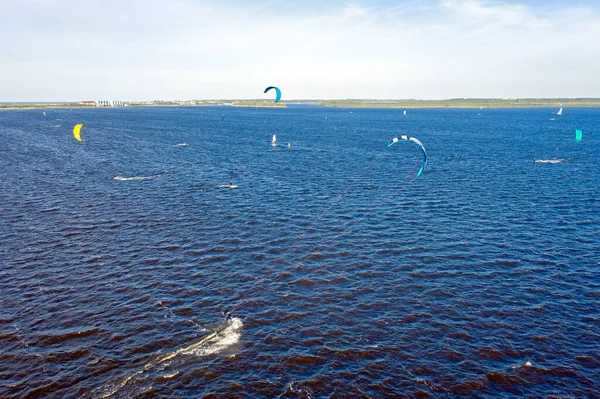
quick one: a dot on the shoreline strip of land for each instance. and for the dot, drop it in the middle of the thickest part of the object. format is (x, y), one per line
(347, 103)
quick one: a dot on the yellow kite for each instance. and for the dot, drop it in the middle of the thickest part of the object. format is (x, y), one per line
(77, 131)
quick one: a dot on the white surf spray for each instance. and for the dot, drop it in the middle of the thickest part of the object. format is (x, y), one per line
(223, 337)
(228, 337)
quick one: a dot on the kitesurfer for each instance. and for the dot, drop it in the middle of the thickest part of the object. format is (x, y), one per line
(230, 183)
(227, 315)
(114, 176)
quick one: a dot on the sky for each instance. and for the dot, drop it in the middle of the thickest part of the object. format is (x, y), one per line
(71, 50)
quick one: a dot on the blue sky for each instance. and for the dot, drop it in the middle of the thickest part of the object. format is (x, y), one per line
(67, 50)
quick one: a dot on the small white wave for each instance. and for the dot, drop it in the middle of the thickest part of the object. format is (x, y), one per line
(119, 178)
(300, 390)
(526, 364)
(169, 376)
(553, 160)
(180, 145)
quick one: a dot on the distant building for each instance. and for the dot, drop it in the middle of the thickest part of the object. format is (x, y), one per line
(110, 103)
(102, 103)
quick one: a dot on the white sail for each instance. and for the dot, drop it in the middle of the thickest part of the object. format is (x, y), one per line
(559, 111)
(404, 112)
(274, 141)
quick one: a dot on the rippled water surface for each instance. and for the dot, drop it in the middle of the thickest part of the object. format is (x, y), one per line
(349, 277)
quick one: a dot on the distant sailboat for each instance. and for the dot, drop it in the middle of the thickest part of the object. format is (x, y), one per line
(404, 112)
(274, 141)
(559, 111)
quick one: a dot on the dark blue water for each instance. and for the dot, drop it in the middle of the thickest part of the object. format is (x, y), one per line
(481, 278)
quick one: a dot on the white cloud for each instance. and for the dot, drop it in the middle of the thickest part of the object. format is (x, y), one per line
(68, 50)
(504, 14)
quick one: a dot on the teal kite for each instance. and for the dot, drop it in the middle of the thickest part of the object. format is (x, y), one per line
(277, 91)
(416, 141)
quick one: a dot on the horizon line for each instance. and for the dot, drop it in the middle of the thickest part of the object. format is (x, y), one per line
(321, 99)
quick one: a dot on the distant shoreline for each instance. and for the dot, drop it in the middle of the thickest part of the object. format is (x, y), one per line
(350, 103)
(464, 103)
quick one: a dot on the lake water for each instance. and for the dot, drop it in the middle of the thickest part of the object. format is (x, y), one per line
(480, 278)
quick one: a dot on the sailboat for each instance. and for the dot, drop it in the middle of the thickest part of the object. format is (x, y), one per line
(404, 112)
(274, 141)
(559, 111)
